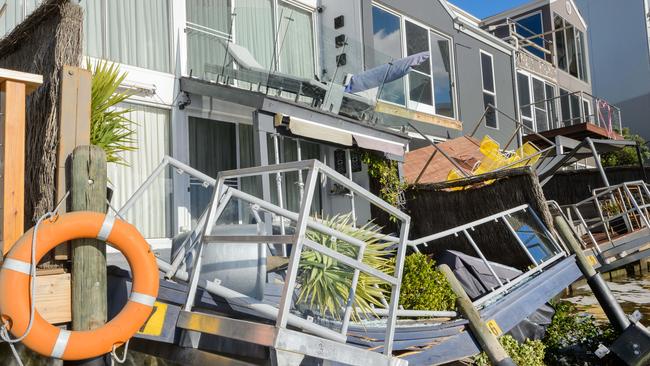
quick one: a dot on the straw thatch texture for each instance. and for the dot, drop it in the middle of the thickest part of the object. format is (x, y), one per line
(48, 39)
(434, 208)
(571, 186)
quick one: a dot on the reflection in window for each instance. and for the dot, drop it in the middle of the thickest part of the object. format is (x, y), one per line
(539, 95)
(417, 40)
(560, 44)
(430, 84)
(442, 75)
(489, 91)
(530, 27)
(551, 106)
(387, 38)
(534, 238)
(570, 49)
(209, 24)
(297, 52)
(565, 107)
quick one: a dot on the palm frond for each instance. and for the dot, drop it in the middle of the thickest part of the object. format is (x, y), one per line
(110, 127)
(326, 283)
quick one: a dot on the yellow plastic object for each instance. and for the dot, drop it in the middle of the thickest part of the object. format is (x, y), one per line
(489, 146)
(494, 159)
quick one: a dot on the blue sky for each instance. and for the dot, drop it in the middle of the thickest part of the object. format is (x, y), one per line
(484, 8)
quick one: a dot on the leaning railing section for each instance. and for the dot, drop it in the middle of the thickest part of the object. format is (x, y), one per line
(610, 212)
(265, 214)
(527, 230)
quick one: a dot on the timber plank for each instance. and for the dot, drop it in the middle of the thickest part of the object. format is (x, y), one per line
(53, 297)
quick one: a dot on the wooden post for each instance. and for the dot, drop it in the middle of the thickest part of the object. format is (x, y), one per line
(74, 121)
(14, 87)
(488, 341)
(88, 191)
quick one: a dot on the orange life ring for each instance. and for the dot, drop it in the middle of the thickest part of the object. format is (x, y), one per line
(51, 341)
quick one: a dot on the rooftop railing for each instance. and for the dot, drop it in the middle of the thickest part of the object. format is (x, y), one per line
(571, 109)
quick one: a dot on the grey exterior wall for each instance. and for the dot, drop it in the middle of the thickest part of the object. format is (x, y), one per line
(469, 97)
(620, 65)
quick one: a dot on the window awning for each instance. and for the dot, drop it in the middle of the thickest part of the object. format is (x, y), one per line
(375, 143)
(317, 131)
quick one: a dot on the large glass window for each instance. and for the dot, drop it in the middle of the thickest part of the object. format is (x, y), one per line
(489, 90)
(209, 25)
(274, 36)
(420, 91)
(296, 42)
(570, 49)
(551, 106)
(132, 32)
(560, 44)
(442, 75)
(530, 27)
(387, 40)
(523, 89)
(536, 103)
(430, 84)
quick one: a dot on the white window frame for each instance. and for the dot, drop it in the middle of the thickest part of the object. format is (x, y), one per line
(494, 84)
(412, 105)
(533, 117)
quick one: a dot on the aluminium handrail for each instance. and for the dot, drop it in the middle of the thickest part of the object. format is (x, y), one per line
(555, 252)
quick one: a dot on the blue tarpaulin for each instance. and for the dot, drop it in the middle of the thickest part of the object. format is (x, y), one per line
(385, 73)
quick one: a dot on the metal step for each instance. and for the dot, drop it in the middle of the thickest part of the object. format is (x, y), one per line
(283, 340)
(624, 261)
(631, 245)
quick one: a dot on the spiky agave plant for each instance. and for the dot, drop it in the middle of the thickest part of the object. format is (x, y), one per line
(110, 128)
(325, 282)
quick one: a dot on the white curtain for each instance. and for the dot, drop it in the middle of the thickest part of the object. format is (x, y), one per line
(12, 16)
(139, 33)
(206, 46)
(92, 27)
(296, 40)
(151, 214)
(254, 29)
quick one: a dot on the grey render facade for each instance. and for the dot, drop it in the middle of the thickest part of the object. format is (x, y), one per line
(620, 57)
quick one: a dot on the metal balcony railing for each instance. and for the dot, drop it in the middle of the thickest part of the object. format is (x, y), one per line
(571, 109)
(529, 233)
(610, 213)
(298, 223)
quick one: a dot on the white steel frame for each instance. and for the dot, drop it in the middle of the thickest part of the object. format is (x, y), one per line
(501, 217)
(223, 194)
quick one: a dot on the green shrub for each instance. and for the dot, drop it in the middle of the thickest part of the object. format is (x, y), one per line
(424, 287)
(571, 338)
(529, 353)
